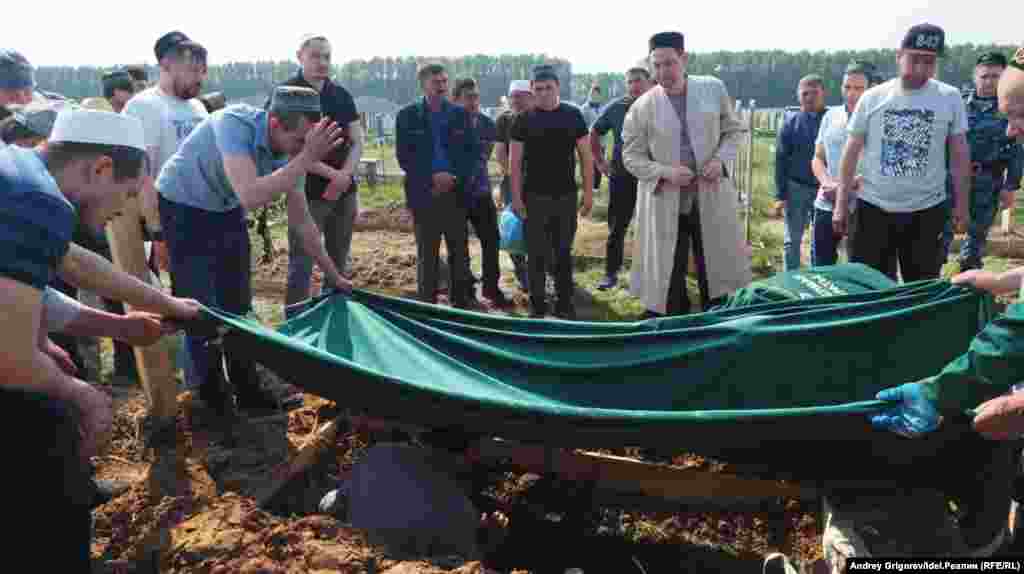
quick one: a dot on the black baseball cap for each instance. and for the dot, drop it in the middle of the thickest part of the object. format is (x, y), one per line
(177, 40)
(925, 38)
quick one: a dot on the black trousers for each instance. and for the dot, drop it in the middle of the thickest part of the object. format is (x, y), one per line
(484, 217)
(689, 232)
(913, 239)
(445, 216)
(124, 358)
(42, 436)
(550, 227)
(67, 342)
(621, 206)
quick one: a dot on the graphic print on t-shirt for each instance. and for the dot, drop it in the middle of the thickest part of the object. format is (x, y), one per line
(184, 127)
(906, 142)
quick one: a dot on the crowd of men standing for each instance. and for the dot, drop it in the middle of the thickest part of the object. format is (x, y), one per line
(882, 155)
(918, 160)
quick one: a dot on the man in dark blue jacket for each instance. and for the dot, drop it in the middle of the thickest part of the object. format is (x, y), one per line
(438, 149)
(795, 184)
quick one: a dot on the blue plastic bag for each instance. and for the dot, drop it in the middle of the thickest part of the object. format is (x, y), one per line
(513, 238)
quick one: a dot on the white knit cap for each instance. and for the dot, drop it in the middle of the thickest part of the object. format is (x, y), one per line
(519, 86)
(97, 127)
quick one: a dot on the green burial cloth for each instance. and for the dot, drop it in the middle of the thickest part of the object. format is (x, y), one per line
(785, 383)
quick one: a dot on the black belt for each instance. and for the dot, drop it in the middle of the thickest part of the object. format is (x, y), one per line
(978, 167)
(814, 185)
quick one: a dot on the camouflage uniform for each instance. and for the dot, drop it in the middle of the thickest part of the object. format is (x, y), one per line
(996, 166)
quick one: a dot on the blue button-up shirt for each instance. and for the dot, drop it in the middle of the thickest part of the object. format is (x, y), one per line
(488, 134)
(794, 150)
(439, 127)
(36, 220)
(195, 175)
(612, 117)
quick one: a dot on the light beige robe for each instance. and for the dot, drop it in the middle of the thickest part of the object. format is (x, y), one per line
(651, 141)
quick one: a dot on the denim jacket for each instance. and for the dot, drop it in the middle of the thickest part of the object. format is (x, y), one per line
(415, 150)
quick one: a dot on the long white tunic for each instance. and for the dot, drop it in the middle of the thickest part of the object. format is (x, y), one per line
(651, 143)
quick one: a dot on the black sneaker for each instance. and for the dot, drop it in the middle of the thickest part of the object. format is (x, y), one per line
(106, 490)
(566, 313)
(607, 283)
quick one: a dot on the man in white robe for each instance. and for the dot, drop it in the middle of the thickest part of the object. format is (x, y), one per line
(685, 196)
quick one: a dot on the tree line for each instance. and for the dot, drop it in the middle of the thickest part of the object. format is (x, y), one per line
(767, 76)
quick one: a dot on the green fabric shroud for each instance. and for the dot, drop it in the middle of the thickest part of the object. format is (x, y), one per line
(761, 384)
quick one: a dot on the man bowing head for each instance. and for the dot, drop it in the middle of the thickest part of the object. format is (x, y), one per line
(677, 138)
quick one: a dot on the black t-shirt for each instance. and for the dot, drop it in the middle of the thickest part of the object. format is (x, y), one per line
(504, 126)
(338, 105)
(549, 149)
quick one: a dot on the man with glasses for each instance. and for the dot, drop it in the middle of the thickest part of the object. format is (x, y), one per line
(903, 128)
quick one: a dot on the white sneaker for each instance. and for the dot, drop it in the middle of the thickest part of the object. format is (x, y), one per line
(777, 563)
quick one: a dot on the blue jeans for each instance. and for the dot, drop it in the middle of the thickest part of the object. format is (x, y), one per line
(824, 242)
(798, 213)
(209, 253)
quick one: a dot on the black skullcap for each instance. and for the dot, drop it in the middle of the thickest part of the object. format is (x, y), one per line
(295, 99)
(926, 38)
(666, 40)
(136, 71)
(992, 59)
(544, 72)
(117, 78)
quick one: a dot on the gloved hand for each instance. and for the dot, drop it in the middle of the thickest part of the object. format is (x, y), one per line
(915, 415)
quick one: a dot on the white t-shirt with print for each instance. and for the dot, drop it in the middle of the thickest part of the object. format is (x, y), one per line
(166, 121)
(905, 141)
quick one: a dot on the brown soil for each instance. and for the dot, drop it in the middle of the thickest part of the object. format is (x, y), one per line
(192, 509)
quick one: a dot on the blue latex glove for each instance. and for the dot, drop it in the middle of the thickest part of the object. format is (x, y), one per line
(915, 415)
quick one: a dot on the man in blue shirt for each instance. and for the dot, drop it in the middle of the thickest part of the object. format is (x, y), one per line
(795, 184)
(828, 152)
(231, 163)
(91, 165)
(621, 184)
(438, 150)
(481, 210)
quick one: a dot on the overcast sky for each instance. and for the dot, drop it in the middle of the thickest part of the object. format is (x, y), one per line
(595, 36)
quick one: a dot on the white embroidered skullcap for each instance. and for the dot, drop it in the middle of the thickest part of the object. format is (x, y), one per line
(97, 127)
(519, 86)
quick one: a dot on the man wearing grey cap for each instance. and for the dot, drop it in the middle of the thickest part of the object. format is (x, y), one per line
(118, 88)
(17, 78)
(92, 163)
(235, 161)
(903, 129)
